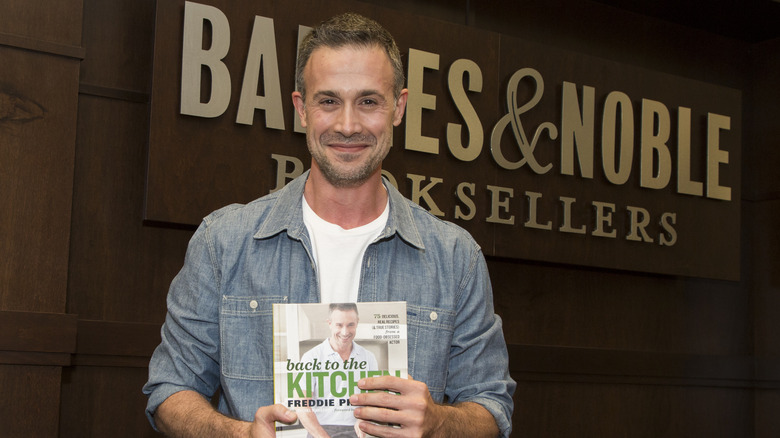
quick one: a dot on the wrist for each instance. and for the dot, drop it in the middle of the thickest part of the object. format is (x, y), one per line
(240, 429)
(438, 415)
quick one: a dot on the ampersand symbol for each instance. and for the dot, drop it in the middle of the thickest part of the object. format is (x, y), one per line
(513, 117)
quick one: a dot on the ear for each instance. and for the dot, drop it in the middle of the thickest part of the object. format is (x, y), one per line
(299, 106)
(400, 107)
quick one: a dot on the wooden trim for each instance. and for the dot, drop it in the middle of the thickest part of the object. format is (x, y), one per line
(113, 93)
(115, 343)
(47, 47)
(58, 339)
(115, 338)
(37, 332)
(96, 360)
(34, 358)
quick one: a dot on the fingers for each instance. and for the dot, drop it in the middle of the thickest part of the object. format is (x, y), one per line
(263, 426)
(392, 384)
(392, 406)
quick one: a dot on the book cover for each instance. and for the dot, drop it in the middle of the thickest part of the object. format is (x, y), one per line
(322, 350)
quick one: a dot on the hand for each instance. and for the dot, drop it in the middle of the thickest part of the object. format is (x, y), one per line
(263, 425)
(410, 412)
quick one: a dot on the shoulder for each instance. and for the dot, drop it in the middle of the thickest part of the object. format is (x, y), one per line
(235, 221)
(240, 214)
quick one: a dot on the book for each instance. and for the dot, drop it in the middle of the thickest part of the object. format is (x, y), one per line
(322, 350)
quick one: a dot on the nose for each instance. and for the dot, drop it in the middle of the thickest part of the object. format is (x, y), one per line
(348, 122)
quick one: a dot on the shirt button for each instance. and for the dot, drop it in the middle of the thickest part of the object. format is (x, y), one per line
(434, 316)
(253, 304)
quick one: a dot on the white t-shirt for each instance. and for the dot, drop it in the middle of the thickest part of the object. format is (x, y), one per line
(338, 253)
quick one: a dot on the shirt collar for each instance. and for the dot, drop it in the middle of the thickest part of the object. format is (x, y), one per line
(286, 214)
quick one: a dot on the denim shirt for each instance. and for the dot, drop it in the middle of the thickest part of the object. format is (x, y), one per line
(244, 258)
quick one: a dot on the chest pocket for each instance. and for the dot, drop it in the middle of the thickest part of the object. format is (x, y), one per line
(246, 336)
(430, 332)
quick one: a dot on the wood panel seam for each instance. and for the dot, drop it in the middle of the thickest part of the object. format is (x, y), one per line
(41, 46)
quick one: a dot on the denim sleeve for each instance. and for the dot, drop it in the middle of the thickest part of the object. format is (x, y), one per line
(188, 355)
(479, 362)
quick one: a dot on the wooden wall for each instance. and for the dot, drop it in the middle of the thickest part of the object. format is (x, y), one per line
(596, 352)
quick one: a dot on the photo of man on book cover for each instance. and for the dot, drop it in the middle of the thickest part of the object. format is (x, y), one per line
(318, 384)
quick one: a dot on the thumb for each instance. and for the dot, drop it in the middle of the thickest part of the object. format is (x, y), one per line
(277, 412)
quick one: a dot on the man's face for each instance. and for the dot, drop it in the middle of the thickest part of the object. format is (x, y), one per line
(343, 325)
(349, 112)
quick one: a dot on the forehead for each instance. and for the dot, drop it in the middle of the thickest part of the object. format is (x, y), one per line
(348, 68)
(343, 316)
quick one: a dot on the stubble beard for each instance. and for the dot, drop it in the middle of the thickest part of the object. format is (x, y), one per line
(342, 174)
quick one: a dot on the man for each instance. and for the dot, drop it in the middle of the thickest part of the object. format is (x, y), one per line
(242, 259)
(339, 347)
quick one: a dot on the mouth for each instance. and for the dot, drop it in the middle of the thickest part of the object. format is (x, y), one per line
(349, 145)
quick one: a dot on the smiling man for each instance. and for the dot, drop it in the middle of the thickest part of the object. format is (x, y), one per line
(338, 233)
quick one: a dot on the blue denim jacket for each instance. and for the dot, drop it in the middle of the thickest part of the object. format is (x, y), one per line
(244, 258)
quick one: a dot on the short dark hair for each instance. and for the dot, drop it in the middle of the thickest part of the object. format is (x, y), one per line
(344, 307)
(350, 29)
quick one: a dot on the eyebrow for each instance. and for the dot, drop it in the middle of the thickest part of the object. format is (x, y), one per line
(329, 93)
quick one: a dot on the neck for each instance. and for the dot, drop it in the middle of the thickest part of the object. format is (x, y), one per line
(344, 354)
(347, 207)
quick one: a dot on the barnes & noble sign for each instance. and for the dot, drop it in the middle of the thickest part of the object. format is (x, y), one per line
(542, 154)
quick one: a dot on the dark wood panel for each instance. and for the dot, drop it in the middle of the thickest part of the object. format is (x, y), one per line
(608, 32)
(764, 252)
(29, 406)
(118, 37)
(120, 269)
(762, 111)
(57, 22)
(546, 304)
(37, 141)
(550, 409)
(767, 422)
(104, 402)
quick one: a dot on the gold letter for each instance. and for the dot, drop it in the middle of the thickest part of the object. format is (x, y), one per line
(476, 135)
(684, 183)
(716, 156)
(262, 53)
(415, 141)
(282, 175)
(654, 141)
(417, 193)
(468, 202)
(496, 202)
(609, 126)
(577, 128)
